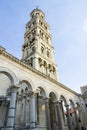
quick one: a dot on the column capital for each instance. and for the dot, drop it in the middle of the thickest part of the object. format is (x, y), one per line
(58, 103)
(24, 95)
(33, 94)
(13, 88)
(46, 99)
(19, 97)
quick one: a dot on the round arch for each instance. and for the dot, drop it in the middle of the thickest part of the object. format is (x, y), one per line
(71, 102)
(41, 92)
(53, 110)
(10, 74)
(62, 97)
(29, 86)
(55, 93)
(28, 81)
(41, 86)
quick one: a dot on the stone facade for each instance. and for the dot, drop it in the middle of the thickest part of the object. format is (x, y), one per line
(31, 96)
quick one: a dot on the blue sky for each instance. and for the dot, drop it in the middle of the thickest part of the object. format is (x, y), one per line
(68, 22)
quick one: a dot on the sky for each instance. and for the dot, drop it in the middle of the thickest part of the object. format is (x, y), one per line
(68, 26)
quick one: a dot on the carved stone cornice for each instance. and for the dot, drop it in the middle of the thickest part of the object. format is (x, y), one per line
(2, 49)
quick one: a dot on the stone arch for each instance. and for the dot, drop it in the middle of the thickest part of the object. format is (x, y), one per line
(25, 88)
(10, 74)
(41, 92)
(77, 104)
(28, 81)
(78, 111)
(54, 69)
(52, 95)
(42, 87)
(23, 101)
(63, 98)
(49, 66)
(28, 85)
(72, 112)
(44, 63)
(71, 102)
(64, 110)
(78, 108)
(7, 80)
(55, 93)
(53, 111)
(40, 101)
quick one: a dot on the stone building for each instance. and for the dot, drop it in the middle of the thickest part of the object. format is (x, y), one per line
(31, 96)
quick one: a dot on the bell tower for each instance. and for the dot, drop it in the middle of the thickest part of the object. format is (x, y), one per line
(38, 51)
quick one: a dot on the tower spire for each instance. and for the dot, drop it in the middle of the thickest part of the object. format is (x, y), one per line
(37, 7)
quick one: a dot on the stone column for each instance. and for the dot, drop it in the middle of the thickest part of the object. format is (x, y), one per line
(58, 107)
(32, 111)
(47, 114)
(27, 108)
(27, 118)
(68, 118)
(11, 114)
(3, 113)
(23, 111)
(18, 110)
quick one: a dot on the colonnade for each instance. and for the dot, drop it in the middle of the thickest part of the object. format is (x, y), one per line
(28, 113)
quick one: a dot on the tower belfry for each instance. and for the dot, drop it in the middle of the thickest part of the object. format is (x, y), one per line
(38, 51)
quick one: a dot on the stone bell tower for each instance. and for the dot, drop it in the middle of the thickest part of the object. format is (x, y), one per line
(38, 51)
